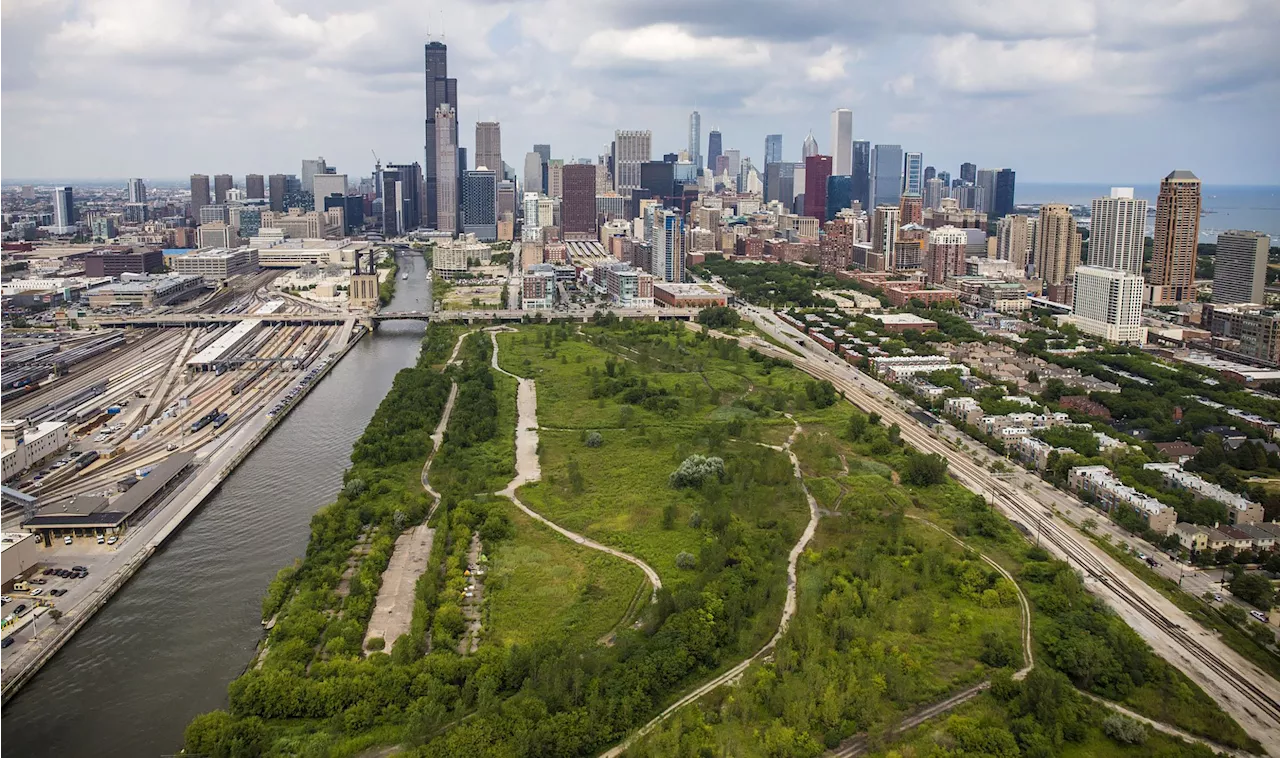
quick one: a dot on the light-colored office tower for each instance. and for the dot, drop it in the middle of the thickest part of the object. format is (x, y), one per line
(137, 191)
(64, 212)
(446, 169)
(1240, 267)
(842, 142)
(533, 173)
(1057, 249)
(934, 191)
(603, 185)
(733, 161)
(555, 178)
(886, 174)
(695, 138)
(944, 258)
(311, 167)
(1013, 241)
(489, 147)
(1107, 303)
(324, 185)
(772, 149)
(1177, 232)
(1117, 231)
(913, 174)
(631, 148)
(810, 147)
(984, 200)
(666, 235)
(884, 234)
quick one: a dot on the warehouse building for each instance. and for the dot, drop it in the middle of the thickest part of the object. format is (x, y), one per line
(26, 446)
(145, 291)
(218, 263)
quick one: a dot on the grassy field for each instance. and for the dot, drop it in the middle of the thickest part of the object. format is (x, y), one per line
(541, 586)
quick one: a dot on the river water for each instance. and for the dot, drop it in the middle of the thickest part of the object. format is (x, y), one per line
(167, 645)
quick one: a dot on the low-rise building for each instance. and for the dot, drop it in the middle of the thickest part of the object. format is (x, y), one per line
(678, 295)
(897, 323)
(145, 291)
(113, 263)
(25, 445)
(538, 287)
(964, 408)
(218, 263)
(1240, 509)
(1035, 451)
(1110, 492)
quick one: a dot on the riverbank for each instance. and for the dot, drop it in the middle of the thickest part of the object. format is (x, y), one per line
(146, 539)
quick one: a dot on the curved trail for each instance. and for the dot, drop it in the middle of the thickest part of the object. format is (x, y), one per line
(437, 437)
(788, 610)
(529, 470)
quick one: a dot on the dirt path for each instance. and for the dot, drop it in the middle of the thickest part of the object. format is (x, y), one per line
(393, 611)
(788, 611)
(529, 470)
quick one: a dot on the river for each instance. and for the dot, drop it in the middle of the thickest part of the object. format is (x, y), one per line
(167, 645)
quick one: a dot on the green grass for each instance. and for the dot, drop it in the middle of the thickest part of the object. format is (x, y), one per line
(540, 586)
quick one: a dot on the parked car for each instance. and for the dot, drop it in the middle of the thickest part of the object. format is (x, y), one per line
(79, 568)
(1217, 598)
(112, 540)
(37, 592)
(66, 540)
(101, 539)
(7, 642)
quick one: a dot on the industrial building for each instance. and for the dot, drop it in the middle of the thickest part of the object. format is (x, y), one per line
(18, 555)
(145, 291)
(113, 263)
(92, 515)
(25, 446)
(218, 263)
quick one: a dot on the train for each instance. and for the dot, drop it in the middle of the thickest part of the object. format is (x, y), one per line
(84, 460)
(220, 420)
(205, 420)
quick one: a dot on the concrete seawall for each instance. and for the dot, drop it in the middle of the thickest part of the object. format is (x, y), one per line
(82, 613)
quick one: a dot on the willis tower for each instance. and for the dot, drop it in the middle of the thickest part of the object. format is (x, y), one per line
(440, 89)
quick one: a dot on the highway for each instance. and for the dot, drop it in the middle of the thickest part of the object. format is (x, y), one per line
(1241, 688)
(207, 319)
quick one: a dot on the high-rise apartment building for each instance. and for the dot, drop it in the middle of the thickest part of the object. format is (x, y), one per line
(489, 147)
(479, 204)
(1107, 303)
(984, 200)
(969, 172)
(884, 235)
(137, 191)
(934, 192)
(324, 185)
(222, 183)
(695, 139)
(714, 148)
(1013, 240)
(842, 142)
(666, 236)
(445, 184)
(913, 174)
(199, 194)
(817, 169)
(886, 174)
(810, 146)
(1057, 249)
(441, 90)
(944, 256)
(275, 191)
(911, 209)
(311, 167)
(1117, 231)
(862, 173)
(254, 189)
(772, 149)
(930, 172)
(1177, 233)
(578, 208)
(64, 209)
(630, 149)
(1240, 267)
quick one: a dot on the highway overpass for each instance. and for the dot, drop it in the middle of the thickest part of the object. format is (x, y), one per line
(372, 319)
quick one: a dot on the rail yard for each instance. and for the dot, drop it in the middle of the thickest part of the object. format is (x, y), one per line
(126, 431)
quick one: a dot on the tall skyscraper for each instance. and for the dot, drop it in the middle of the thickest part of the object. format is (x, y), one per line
(666, 236)
(555, 178)
(489, 147)
(884, 235)
(544, 154)
(311, 167)
(810, 146)
(842, 142)
(445, 184)
(969, 173)
(631, 148)
(817, 169)
(930, 172)
(1107, 303)
(253, 187)
(1177, 232)
(984, 200)
(137, 191)
(1013, 240)
(221, 183)
(945, 176)
(839, 194)
(1117, 230)
(911, 208)
(441, 90)
(862, 174)
(779, 183)
(1057, 249)
(199, 194)
(913, 173)
(275, 191)
(64, 209)
(772, 149)
(578, 206)
(1002, 205)
(1240, 267)
(324, 185)
(934, 191)
(406, 195)
(886, 174)
(714, 148)
(479, 204)
(533, 173)
(695, 139)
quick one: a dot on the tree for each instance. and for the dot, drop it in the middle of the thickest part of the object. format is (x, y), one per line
(719, 317)
(1124, 729)
(695, 470)
(924, 470)
(594, 440)
(1254, 589)
(857, 426)
(822, 394)
(686, 560)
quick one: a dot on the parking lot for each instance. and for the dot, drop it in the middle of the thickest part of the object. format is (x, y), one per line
(64, 576)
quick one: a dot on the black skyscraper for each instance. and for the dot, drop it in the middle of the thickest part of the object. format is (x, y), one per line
(440, 89)
(969, 173)
(1003, 205)
(713, 148)
(862, 174)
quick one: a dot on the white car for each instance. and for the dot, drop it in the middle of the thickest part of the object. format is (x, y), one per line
(66, 540)
(112, 540)
(37, 592)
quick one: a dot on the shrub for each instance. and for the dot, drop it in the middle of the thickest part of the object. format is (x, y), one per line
(1124, 729)
(594, 440)
(686, 560)
(376, 643)
(696, 469)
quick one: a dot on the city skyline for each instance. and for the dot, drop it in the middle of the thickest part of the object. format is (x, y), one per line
(780, 78)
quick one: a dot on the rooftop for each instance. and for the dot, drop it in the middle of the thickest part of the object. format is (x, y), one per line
(900, 319)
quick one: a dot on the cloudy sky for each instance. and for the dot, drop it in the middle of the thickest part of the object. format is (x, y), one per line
(1071, 90)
